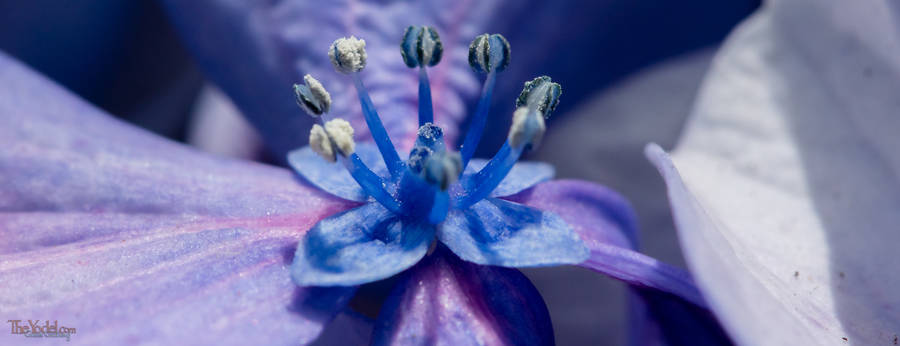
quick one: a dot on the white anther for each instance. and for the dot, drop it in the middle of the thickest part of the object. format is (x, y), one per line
(348, 54)
(319, 142)
(341, 134)
(319, 92)
(527, 128)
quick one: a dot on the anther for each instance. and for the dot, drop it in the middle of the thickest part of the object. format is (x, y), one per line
(527, 128)
(421, 46)
(442, 168)
(430, 136)
(541, 93)
(348, 54)
(489, 53)
(312, 97)
(336, 137)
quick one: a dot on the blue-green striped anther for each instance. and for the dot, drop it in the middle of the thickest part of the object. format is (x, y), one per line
(541, 93)
(421, 46)
(489, 53)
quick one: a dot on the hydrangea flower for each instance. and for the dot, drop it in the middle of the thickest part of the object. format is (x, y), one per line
(130, 238)
(408, 202)
(140, 240)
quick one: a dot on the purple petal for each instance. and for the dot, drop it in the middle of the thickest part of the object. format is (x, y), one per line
(117, 232)
(358, 246)
(502, 233)
(256, 50)
(446, 301)
(334, 177)
(604, 220)
(786, 192)
(522, 176)
(606, 223)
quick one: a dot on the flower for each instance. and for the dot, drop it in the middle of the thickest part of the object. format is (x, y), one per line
(407, 203)
(784, 187)
(129, 234)
(128, 237)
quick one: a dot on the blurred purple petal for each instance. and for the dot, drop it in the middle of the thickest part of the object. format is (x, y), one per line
(446, 301)
(787, 207)
(122, 233)
(256, 50)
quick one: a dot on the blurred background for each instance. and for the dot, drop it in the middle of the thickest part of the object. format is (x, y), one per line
(646, 64)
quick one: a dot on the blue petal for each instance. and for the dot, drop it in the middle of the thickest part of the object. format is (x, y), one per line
(522, 176)
(502, 233)
(446, 301)
(333, 177)
(358, 246)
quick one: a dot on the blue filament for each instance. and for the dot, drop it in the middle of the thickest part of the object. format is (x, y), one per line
(379, 134)
(370, 182)
(476, 128)
(426, 111)
(480, 185)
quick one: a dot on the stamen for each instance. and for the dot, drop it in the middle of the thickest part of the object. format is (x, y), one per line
(527, 128)
(341, 134)
(370, 182)
(442, 169)
(312, 97)
(337, 134)
(337, 137)
(476, 127)
(379, 134)
(421, 46)
(480, 185)
(541, 92)
(319, 142)
(487, 53)
(537, 100)
(426, 110)
(348, 55)
(430, 136)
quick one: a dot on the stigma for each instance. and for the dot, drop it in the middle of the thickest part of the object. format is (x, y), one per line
(433, 177)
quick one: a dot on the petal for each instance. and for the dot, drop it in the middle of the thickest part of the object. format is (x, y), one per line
(786, 190)
(358, 246)
(218, 127)
(255, 50)
(112, 230)
(446, 301)
(347, 328)
(333, 177)
(605, 221)
(503, 233)
(140, 284)
(522, 176)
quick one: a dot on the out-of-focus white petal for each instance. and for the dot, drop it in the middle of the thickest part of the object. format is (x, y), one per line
(217, 126)
(788, 210)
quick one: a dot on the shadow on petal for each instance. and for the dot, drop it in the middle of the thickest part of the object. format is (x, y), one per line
(446, 301)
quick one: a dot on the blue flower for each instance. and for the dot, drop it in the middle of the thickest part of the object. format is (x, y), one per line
(432, 193)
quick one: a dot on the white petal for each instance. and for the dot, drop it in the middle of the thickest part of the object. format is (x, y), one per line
(789, 210)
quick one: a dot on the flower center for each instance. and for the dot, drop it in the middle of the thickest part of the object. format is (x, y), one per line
(433, 178)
